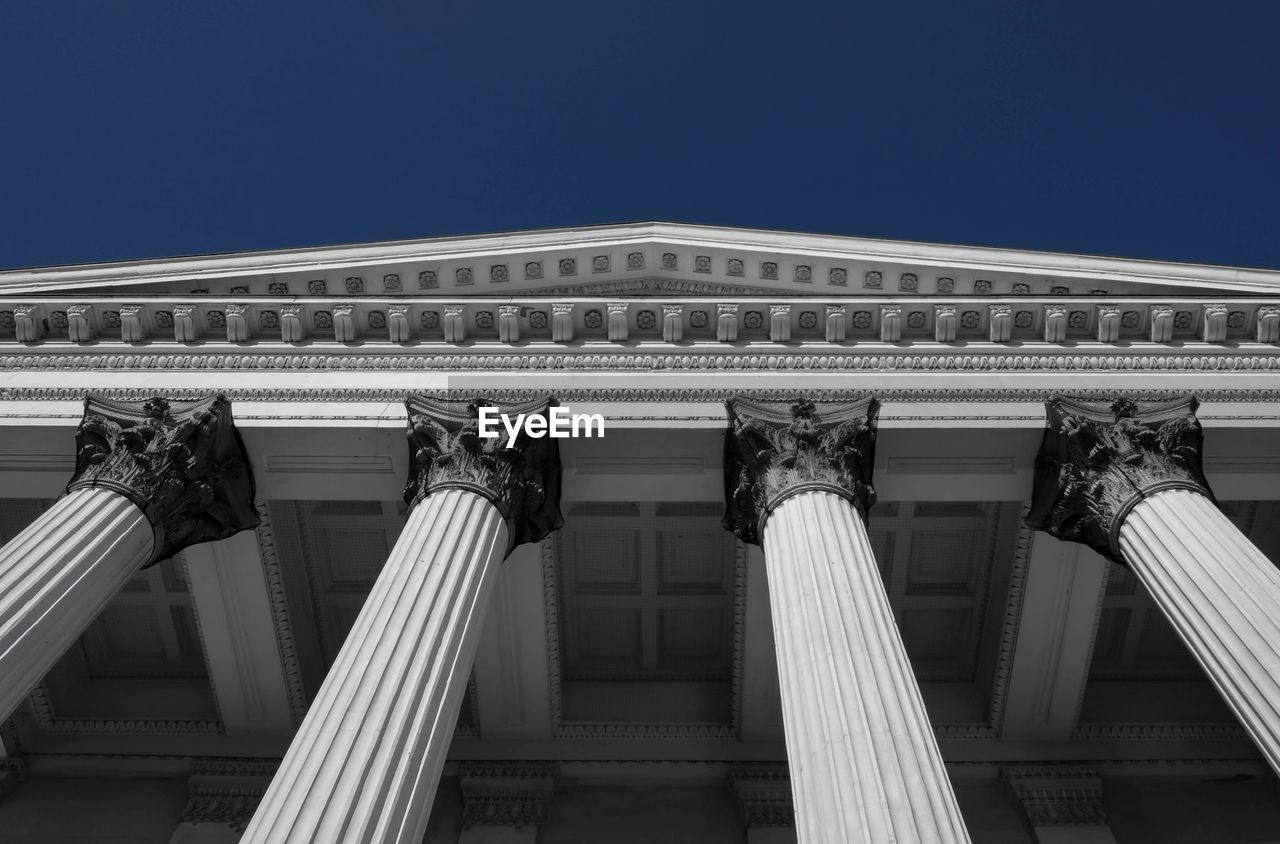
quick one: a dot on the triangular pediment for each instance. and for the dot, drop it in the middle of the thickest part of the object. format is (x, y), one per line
(641, 260)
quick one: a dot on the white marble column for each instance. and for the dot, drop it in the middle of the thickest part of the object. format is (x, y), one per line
(57, 576)
(1127, 480)
(150, 480)
(366, 762)
(864, 763)
(863, 758)
(1221, 594)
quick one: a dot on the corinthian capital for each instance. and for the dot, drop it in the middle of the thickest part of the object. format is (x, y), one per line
(520, 474)
(774, 450)
(181, 462)
(1098, 460)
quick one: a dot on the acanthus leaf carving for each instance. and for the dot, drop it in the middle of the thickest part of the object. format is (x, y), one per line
(776, 449)
(1097, 460)
(182, 463)
(520, 475)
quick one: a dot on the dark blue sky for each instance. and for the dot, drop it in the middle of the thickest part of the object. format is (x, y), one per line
(142, 129)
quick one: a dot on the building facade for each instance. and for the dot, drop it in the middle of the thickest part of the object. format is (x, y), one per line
(880, 542)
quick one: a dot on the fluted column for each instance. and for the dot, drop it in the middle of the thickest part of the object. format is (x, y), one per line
(1127, 480)
(864, 763)
(151, 479)
(366, 761)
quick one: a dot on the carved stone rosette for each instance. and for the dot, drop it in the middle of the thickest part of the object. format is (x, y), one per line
(182, 463)
(1098, 460)
(520, 476)
(774, 450)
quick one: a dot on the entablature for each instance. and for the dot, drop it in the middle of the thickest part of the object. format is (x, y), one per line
(535, 321)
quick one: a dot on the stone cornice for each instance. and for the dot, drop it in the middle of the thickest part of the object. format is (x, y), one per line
(776, 449)
(519, 475)
(641, 311)
(651, 239)
(182, 463)
(1098, 459)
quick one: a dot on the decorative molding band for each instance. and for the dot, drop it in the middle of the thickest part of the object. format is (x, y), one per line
(1010, 626)
(551, 613)
(179, 560)
(788, 360)
(280, 615)
(1159, 732)
(48, 722)
(1066, 795)
(506, 794)
(235, 767)
(764, 795)
(472, 704)
(768, 315)
(226, 792)
(924, 395)
(739, 633)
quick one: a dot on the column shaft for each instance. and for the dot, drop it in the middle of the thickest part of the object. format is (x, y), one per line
(365, 764)
(1221, 595)
(58, 575)
(865, 766)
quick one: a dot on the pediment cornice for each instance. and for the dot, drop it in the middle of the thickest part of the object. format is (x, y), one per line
(612, 258)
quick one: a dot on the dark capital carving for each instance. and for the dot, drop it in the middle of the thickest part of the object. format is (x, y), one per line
(774, 450)
(506, 794)
(181, 462)
(1098, 460)
(519, 475)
